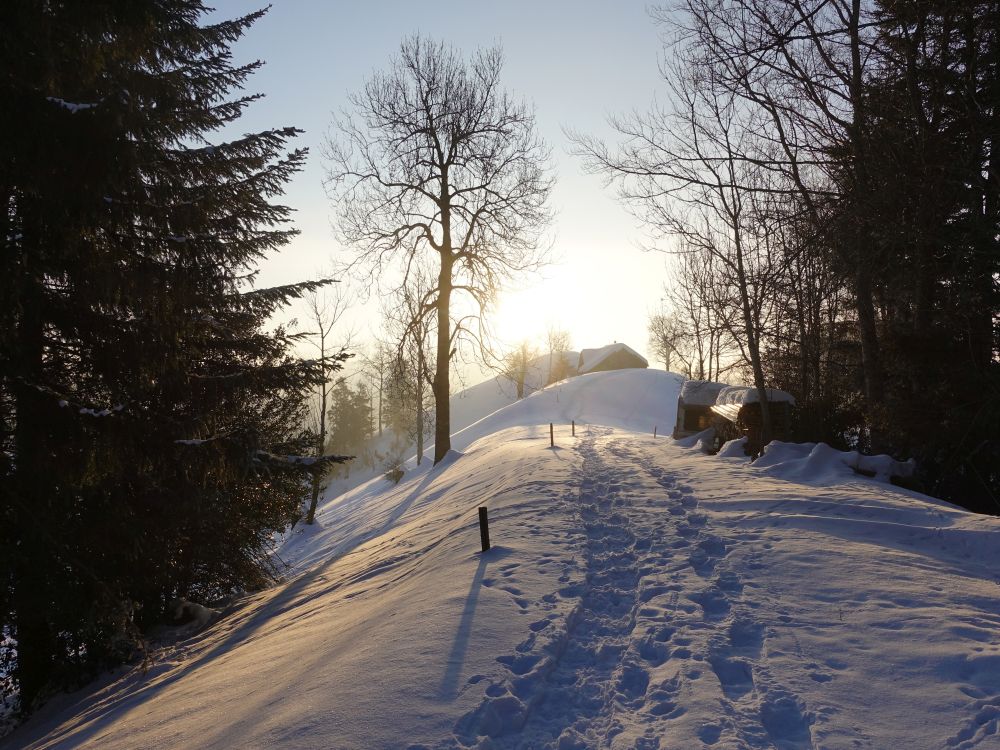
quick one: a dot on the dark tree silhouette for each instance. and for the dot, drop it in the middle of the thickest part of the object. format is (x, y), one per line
(150, 425)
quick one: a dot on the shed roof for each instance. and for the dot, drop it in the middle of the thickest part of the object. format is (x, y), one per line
(742, 395)
(700, 392)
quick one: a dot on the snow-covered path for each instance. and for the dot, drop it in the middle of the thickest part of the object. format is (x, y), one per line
(658, 609)
(639, 594)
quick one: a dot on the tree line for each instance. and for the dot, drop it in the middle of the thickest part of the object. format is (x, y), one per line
(826, 178)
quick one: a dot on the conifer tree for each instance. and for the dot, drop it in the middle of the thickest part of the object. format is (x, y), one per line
(149, 420)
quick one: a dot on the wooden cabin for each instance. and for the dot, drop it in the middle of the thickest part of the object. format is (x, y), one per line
(736, 413)
(694, 407)
(610, 357)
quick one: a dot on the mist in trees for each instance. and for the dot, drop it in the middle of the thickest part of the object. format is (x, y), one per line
(558, 342)
(437, 170)
(411, 373)
(831, 165)
(349, 420)
(325, 311)
(517, 364)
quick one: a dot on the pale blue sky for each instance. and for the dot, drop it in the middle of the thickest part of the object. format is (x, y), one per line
(577, 62)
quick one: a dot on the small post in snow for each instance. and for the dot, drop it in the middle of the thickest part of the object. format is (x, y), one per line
(484, 529)
(552, 436)
(574, 428)
(654, 430)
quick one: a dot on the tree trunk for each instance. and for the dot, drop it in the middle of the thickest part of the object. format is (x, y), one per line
(34, 636)
(870, 356)
(987, 250)
(381, 391)
(420, 425)
(418, 382)
(766, 427)
(442, 381)
(321, 438)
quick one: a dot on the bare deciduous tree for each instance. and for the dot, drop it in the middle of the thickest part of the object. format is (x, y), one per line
(325, 310)
(558, 342)
(684, 173)
(438, 167)
(667, 339)
(804, 66)
(411, 331)
(516, 365)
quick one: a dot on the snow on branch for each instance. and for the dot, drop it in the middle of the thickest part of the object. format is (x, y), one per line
(67, 403)
(313, 463)
(202, 441)
(96, 412)
(73, 107)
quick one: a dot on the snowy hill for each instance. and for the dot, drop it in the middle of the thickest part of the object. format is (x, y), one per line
(639, 594)
(482, 399)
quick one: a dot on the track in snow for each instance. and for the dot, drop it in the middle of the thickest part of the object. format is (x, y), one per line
(658, 610)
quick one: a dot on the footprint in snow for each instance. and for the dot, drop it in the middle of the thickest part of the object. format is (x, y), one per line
(747, 636)
(632, 681)
(786, 721)
(714, 604)
(662, 699)
(653, 651)
(709, 733)
(735, 675)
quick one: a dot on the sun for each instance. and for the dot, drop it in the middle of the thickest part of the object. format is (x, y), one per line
(528, 313)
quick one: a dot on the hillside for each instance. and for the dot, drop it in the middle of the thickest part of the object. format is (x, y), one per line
(639, 594)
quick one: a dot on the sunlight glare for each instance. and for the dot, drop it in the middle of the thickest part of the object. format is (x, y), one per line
(528, 313)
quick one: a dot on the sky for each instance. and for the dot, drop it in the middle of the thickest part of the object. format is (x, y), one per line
(577, 63)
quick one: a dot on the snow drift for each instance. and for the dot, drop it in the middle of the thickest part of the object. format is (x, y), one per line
(639, 594)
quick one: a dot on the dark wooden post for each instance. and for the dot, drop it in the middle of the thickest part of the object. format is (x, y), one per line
(552, 436)
(484, 529)
(654, 430)
(574, 428)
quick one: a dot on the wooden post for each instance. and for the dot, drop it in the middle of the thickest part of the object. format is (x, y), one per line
(574, 428)
(484, 529)
(552, 436)
(654, 430)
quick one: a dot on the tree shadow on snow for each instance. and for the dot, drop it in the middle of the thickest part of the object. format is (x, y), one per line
(97, 709)
(448, 689)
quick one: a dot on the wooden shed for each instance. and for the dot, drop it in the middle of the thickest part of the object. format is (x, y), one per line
(736, 413)
(694, 407)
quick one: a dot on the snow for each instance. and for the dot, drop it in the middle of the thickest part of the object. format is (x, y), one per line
(700, 392)
(820, 462)
(639, 594)
(73, 107)
(734, 449)
(591, 358)
(86, 411)
(742, 395)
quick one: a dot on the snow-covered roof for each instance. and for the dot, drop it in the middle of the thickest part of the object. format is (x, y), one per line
(700, 392)
(742, 395)
(591, 358)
